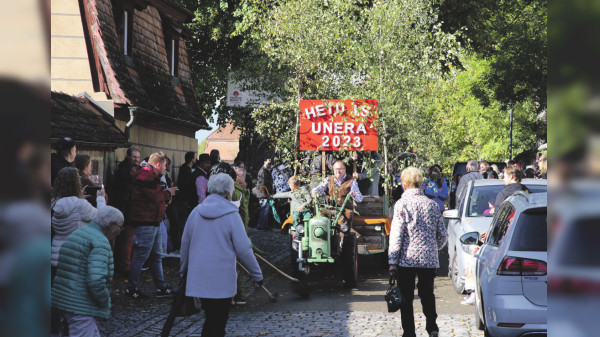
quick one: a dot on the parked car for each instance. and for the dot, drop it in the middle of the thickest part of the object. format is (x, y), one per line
(471, 217)
(458, 170)
(511, 269)
(574, 281)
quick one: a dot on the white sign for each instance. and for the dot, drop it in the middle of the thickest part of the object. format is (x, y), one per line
(239, 95)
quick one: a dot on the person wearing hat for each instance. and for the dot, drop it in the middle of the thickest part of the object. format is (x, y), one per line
(64, 156)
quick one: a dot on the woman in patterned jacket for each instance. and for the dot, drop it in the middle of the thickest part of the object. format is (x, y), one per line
(416, 235)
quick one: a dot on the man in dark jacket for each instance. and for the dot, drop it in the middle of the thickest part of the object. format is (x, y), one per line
(264, 179)
(146, 211)
(119, 195)
(487, 171)
(472, 174)
(512, 179)
(64, 156)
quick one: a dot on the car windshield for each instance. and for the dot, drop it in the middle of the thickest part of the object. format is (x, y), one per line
(531, 232)
(482, 198)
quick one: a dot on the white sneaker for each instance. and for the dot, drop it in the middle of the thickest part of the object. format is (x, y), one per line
(470, 300)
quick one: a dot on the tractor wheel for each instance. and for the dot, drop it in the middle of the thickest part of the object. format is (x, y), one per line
(349, 261)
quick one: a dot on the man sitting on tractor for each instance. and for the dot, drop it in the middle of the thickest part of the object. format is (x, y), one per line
(337, 188)
(300, 199)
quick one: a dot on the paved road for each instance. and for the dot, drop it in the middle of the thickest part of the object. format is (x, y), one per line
(331, 310)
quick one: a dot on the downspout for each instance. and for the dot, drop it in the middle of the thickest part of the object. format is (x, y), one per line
(132, 113)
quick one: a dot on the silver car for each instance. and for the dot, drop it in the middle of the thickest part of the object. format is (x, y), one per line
(472, 216)
(511, 269)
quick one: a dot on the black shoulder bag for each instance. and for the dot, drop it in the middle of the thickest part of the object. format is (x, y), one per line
(393, 297)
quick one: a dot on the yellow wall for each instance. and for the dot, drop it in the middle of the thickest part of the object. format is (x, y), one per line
(150, 141)
(70, 68)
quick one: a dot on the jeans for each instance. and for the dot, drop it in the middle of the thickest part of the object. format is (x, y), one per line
(147, 243)
(81, 326)
(217, 314)
(406, 283)
(263, 218)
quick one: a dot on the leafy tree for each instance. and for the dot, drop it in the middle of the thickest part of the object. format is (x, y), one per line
(512, 34)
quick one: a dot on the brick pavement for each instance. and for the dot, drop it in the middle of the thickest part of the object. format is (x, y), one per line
(145, 317)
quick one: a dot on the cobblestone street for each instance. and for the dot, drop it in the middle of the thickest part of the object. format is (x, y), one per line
(330, 311)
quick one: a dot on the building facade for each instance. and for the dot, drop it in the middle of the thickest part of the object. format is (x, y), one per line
(128, 57)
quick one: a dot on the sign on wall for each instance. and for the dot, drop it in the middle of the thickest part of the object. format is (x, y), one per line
(330, 125)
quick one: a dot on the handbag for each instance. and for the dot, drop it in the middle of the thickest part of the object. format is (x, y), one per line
(184, 305)
(393, 297)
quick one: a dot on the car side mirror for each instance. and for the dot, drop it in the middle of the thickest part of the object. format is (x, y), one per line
(451, 214)
(469, 241)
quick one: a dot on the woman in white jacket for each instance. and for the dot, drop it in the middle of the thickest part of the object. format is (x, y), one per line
(70, 210)
(214, 236)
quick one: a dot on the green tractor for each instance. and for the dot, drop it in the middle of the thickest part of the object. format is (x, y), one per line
(321, 241)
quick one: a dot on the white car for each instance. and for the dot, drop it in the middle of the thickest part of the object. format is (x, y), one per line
(511, 269)
(471, 216)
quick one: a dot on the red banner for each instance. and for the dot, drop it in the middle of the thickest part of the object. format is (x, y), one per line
(333, 124)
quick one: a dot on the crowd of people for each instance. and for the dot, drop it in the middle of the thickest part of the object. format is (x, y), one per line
(203, 218)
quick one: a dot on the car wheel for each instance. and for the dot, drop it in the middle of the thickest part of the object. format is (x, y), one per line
(350, 261)
(456, 283)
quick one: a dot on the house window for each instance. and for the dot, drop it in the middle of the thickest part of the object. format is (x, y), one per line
(127, 31)
(172, 47)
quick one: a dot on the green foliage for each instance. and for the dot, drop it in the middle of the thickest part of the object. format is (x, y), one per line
(512, 34)
(464, 129)
(202, 146)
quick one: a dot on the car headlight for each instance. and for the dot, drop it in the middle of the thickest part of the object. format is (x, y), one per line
(300, 229)
(378, 228)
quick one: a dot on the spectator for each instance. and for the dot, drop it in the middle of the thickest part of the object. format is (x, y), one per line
(187, 198)
(496, 170)
(215, 157)
(316, 165)
(486, 171)
(435, 187)
(83, 163)
(529, 172)
(368, 162)
(120, 197)
(200, 177)
(417, 233)
(69, 211)
(472, 174)
(64, 156)
(543, 165)
(215, 228)
(148, 203)
(85, 271)
(512, 181)
(281, 173)
(242, 187)
(264, 187)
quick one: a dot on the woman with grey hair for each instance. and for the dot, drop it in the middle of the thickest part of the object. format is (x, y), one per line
(82, 294)
(416, 235)
(214, 236)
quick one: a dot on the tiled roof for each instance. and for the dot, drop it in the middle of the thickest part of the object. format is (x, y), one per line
(226, 133)
(146, 83)
(77, 118)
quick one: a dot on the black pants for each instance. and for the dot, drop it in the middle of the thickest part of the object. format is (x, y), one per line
(406, 283)
(217, 313)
